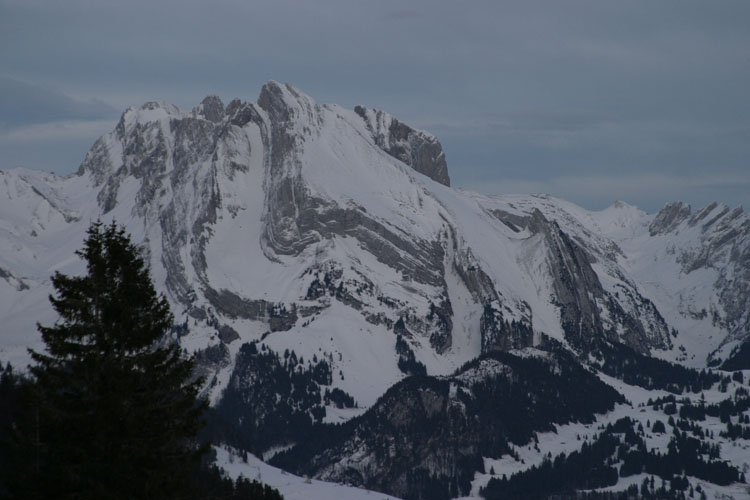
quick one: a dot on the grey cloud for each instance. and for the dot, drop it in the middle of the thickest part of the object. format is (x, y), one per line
(526, 90)
(22, 103)
(45, 129)
(53, 147)
(403, 14)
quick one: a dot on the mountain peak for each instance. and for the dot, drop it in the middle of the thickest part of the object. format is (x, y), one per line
(211, 108)
(284, 102)
(153, 111)
(416, 148)
(284, 228)
(620, 205)
(669, 217)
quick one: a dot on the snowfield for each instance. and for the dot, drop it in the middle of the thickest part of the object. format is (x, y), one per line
(290, 486)
(309, 228)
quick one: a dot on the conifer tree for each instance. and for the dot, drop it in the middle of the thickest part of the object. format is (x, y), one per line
(117, 408)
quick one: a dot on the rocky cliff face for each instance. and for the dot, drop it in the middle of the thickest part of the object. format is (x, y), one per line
(315, 256)
(719, 242)
(415, 148)
(317, 228)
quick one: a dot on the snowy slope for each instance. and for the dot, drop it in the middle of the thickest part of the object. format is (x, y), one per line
(290, 486)
(568, 438)
(246, 210)
(692, 265)
(335, 234)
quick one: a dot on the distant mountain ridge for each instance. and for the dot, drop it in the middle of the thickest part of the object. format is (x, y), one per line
(296, 183)
(335, 234)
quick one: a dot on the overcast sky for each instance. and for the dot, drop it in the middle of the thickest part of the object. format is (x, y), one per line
(592, 101)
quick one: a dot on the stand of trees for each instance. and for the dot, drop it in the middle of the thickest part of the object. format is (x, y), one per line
(111, 407)
(441, 427)
(739, 359)
(622, 362)
(595, 466)
(407, 362)
(273, 400)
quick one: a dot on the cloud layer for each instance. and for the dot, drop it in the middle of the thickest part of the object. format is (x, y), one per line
(591, 100)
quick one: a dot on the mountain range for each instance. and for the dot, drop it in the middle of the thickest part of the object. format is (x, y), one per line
(324, 271)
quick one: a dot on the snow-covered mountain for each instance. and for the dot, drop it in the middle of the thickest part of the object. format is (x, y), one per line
(290, 216)
(335, 234)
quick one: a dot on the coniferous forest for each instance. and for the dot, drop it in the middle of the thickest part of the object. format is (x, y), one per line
(110, 409)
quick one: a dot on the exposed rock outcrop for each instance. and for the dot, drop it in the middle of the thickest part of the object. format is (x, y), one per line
(415, 148)
(669, 218)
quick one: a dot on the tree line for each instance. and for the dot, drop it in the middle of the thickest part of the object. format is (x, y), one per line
(110, 408)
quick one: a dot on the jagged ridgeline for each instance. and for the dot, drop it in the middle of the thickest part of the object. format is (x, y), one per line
(244, 210)
(315, 257)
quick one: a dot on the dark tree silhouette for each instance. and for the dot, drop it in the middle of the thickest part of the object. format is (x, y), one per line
(116, 410)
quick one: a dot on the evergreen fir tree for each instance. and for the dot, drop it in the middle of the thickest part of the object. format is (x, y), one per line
(16, 457)
(117, 411)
